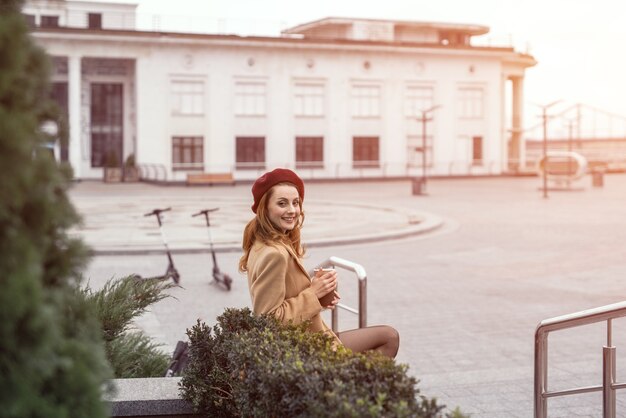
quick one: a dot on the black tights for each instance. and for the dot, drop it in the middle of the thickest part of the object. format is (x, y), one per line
(382, 338)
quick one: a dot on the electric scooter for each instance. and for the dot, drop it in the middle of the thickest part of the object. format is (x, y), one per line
(218, 277)
(171, 271)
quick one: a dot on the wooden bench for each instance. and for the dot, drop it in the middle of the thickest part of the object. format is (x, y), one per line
(210, 179)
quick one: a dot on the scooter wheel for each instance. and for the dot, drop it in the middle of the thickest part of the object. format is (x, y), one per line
(175, 276)
(227, 281)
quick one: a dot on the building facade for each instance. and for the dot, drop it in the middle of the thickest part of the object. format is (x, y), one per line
(333, 98)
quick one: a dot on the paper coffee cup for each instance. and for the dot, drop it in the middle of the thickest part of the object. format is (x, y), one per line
(327, 298)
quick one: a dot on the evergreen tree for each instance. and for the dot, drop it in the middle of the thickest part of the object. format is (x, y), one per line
(51, 355)
(130, 352)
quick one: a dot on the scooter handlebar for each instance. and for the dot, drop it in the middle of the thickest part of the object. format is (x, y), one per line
(157, 211)
(202, 212)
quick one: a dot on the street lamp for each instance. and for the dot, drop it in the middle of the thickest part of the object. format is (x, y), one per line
(51, 129)
(544, 115)
(424, 119)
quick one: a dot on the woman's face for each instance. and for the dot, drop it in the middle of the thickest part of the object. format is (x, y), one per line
(283, 207)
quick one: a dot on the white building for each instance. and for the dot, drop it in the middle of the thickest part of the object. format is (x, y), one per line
(332, 98)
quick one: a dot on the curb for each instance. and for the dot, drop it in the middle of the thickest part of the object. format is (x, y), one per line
(430, 223)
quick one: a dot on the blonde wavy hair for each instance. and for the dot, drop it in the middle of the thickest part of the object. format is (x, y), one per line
(261, 228)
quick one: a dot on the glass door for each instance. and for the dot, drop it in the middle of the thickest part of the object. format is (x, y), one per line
(107, 120)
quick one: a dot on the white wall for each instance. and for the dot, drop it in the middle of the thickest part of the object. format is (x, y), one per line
(219, 63)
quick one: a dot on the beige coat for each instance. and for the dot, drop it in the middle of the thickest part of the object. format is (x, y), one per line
(280, 285)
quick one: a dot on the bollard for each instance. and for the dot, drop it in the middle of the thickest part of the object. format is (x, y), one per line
(417, 186)
(597, 178)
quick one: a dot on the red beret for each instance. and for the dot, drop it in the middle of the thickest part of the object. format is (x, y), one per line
(268, 180)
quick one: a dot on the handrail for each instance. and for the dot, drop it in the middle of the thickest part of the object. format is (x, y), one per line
(145, 170)
(609, 385)
(361, 275)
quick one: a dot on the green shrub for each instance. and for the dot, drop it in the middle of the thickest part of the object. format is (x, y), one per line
(134, 354)
(130, 353)
(252, 366)
(130, 161)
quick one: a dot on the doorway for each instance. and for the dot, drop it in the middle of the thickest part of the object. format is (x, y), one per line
(107, 124)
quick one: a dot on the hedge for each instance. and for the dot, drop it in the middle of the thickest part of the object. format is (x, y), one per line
(253, 366)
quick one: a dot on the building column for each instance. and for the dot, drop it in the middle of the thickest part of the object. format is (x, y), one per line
(517, 148)
(74, 106)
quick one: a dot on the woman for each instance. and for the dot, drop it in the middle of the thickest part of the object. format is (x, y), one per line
(278, 282)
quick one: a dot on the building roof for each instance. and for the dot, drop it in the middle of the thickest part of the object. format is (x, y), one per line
(309, 27)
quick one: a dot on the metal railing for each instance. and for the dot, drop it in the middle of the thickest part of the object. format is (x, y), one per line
(361, 275)
(383, 169)
(609, 385)
(347, 171)
(152, 172)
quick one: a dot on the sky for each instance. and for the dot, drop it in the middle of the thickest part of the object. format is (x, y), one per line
(579, 44)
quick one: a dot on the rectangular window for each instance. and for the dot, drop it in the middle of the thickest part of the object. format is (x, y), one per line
(250, 98)
(309, 99)
(250, 152)
(365, 101)
(309, 152)
(365, 152)
(49, 21)
(471, 102)
(477, 150)
(30, 20)
(187, 153)
(94, 20)
(187, 97)
(416, 99)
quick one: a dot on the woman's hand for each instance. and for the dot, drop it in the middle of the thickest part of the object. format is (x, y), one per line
(334, 302)
(324, 284)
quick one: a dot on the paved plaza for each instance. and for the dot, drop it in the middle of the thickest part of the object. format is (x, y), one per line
(465, 273)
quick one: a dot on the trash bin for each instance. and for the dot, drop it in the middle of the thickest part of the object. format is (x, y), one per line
(597, 178)
(418, 186)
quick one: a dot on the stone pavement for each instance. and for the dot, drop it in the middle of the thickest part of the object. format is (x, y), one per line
(466, 297)
(113, 221)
